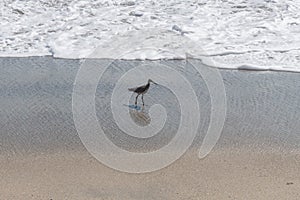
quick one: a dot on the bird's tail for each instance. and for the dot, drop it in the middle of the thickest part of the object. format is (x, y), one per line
(131, 89)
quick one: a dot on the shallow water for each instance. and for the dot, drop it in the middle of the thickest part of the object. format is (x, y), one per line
(36, 107)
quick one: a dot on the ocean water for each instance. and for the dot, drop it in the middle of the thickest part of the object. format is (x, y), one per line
(237, 34)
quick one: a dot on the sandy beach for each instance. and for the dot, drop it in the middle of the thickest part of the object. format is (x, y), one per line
(226, 174)
(42, 156)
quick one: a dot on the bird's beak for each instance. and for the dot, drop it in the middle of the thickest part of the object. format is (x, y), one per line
(154, 83)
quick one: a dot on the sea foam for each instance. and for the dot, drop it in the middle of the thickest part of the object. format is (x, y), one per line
(235, 34)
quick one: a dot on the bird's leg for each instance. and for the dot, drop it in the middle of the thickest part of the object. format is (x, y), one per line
(136, 98)
(143, 99)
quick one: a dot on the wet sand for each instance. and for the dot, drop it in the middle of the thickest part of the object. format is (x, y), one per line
(42, 157)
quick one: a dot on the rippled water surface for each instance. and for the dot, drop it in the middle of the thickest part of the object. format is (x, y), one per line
(36, 107)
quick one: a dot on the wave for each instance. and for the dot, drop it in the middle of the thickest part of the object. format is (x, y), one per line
(235, 34)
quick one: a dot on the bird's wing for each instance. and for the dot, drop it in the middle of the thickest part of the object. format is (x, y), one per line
(140, 89)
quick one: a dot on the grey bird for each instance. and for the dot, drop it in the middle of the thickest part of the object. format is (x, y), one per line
(141, 90)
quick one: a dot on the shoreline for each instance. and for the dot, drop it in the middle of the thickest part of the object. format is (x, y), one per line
(242, 66)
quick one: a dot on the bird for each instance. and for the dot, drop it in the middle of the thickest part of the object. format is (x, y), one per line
(141, 90)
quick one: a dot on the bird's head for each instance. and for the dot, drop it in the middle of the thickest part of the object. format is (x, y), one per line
(150, 81)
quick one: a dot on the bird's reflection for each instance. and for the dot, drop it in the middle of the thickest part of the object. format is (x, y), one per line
(140, 117)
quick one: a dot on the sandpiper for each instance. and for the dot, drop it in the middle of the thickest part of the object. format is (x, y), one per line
(141, 90)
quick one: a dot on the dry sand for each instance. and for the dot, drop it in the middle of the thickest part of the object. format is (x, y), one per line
(224, 174)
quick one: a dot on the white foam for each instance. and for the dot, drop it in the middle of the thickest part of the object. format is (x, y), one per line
(260, 35)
